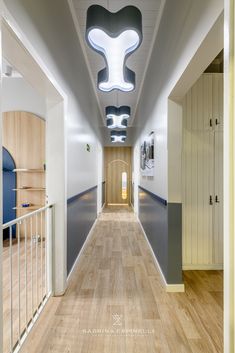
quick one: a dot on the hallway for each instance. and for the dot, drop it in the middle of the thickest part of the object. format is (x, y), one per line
(115, 301)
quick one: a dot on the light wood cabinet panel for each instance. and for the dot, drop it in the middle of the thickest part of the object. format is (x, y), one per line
(24, 138)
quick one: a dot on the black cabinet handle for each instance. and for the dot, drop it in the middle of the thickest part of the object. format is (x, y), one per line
(210, 200)
(216, 199)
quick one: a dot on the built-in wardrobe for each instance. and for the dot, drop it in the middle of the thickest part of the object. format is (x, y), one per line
(202, 174)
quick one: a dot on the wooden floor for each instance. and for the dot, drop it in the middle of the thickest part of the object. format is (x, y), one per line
(115, 302)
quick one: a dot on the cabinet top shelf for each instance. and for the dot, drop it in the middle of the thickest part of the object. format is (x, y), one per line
(29, 170)
(29, 189)
(33, 207)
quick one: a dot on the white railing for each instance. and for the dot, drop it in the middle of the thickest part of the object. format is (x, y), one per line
(26, 274)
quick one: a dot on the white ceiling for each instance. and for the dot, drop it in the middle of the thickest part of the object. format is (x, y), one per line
(151, 14)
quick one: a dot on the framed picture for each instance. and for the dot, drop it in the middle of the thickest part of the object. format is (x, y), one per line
(147, 156)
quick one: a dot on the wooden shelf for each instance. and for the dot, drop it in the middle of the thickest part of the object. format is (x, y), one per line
(35, 207)
(29, 170)
(29, 189)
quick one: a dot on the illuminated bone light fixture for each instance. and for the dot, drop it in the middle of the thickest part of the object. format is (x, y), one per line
(115, 36)
(118, 136)
(117, 117)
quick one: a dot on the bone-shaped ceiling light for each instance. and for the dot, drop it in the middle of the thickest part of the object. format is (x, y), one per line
(118, 136)
(115, 36)
(117, 116)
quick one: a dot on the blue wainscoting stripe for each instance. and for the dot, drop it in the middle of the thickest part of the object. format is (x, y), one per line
(81, 214)
(103, 193)
(73, 198)
(163, 226)
(158, 198)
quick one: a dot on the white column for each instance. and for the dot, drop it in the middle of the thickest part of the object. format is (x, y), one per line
(136, 177)
(229, 177)
(174, 142)
(56, 185)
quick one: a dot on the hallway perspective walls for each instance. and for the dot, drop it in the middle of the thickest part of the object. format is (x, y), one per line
(50, 30)
(177, 41)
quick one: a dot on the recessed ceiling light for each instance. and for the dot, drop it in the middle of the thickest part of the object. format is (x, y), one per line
(115, 36)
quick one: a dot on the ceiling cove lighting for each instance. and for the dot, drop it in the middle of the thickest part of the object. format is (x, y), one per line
(118, 136)
(115, 36)
(117, 116)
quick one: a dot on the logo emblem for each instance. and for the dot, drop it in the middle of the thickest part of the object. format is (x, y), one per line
(117, 320)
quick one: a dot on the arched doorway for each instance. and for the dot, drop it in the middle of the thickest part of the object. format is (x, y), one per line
(118, 175)
(118, 182)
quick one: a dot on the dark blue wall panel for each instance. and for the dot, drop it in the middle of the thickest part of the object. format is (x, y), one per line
(132, 193)
(9, 196)
(103, 192)
(162, 224)
(153, 216)
(81, 214)
(174, 274)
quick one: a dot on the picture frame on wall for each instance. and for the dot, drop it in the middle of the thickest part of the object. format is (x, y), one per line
(147, 156)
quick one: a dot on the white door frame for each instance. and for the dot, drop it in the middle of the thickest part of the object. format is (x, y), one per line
(208, 49)
(56, 176)
(99, 178)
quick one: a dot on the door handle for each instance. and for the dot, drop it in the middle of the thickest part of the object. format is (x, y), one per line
(210, 200)
(216, 199)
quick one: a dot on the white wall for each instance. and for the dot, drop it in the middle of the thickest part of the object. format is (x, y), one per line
(136, 176)
(174, 139)
(17, 94)
(100, 177)
(177, 41)
(44, 25)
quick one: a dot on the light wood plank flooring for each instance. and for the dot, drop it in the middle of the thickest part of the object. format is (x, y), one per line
(115, 302)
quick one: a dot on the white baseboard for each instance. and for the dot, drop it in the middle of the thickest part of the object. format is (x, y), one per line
(101, 210)
(178, 287)
(203, 267)
(81, 251)
(175, 288)
(118, 204)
